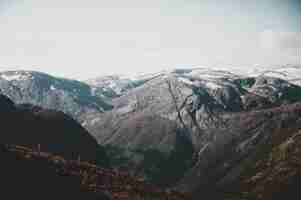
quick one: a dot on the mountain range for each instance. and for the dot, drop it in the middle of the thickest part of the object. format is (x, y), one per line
(209, 132)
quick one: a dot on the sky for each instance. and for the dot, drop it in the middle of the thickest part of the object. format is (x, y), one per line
(87, 38)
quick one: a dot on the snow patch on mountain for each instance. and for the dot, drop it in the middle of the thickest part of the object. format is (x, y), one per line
(186, 81)
(289, 73)
(94, 121)
(15, 76)
(52, 87)
(213, 85)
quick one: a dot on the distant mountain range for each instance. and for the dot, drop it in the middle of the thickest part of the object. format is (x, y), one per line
(78, 98)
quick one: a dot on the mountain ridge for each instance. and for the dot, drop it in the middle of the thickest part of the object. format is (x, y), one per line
(70, 96)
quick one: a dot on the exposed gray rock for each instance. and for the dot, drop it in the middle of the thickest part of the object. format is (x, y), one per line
(70, 96)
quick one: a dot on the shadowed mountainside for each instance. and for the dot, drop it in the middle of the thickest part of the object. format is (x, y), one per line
(53, 130)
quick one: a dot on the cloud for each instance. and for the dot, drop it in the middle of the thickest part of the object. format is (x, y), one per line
(281, 41)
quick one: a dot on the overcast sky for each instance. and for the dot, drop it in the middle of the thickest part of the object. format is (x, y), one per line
(88, 38)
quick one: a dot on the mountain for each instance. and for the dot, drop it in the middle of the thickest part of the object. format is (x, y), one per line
(70, 96)
(164, 127)
(49, 130)
(195, 95)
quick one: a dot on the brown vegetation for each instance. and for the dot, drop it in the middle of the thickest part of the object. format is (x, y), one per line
(113, 183)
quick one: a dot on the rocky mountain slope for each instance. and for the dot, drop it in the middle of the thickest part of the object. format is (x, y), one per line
(245, 141)
(189, 98)
(273, 174)
(165, 127)
(70, 96)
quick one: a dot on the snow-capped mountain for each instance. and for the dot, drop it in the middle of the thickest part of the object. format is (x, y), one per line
(117, 85)
(290, 73)
(214, 90)
(71, 96)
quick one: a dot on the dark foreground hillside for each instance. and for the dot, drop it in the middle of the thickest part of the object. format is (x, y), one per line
(28, 179)
(30, 174)
(53, 130)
